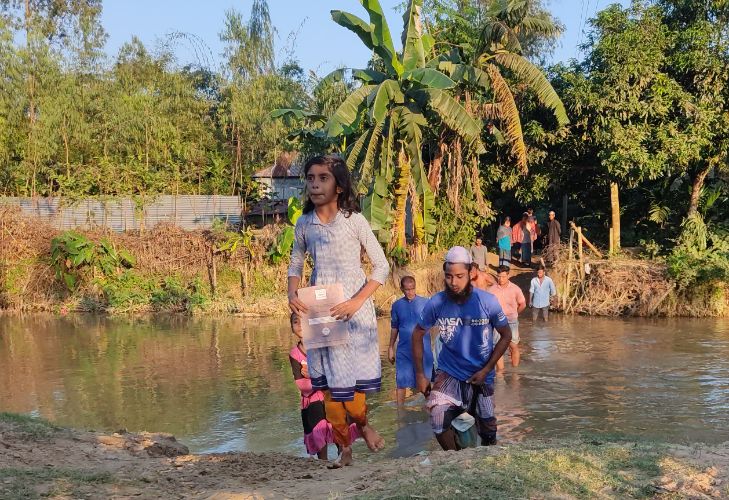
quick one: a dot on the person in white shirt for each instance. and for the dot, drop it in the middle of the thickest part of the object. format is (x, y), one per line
(541, 290)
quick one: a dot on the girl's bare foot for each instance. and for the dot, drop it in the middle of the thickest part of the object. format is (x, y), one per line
(374, 441)
(344, 459)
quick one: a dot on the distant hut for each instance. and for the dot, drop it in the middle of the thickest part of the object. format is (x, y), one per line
(278, 183)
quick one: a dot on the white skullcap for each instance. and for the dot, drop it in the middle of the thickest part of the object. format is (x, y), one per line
(458, 255)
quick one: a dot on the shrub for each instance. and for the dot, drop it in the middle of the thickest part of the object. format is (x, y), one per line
(73, 253)
(701, 255)
(173, 294)
(127, 290)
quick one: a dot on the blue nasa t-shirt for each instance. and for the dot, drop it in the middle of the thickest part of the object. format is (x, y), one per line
(465, 330)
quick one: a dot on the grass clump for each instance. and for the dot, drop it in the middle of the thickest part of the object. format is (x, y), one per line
(127, 291)
(28, 426)
(528, 470)
(174, 295)
(17, 483)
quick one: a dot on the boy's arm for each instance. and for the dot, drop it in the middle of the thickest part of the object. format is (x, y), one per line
(501, 325)
(531, 293)
(391, 350)
(499, 349)
(421, 381)
(520, 301)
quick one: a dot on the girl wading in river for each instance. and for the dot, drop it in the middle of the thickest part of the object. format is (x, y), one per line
(333, 232)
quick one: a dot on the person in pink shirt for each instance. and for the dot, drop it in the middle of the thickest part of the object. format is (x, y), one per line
(513, 302)
(318, 432)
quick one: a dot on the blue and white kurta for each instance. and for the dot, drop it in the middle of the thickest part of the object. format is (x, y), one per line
(336, 250)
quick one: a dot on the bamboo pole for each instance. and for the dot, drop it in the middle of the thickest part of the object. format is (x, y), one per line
(213, 273)
(568, 278)
(580, 239)
(587, 242)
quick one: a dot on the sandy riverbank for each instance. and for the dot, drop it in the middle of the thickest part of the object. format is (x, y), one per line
(40, 460)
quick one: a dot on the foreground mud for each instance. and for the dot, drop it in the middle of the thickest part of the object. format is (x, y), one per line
(38, 460)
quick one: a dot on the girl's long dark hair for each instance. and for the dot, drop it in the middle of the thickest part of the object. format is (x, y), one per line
(346, 200)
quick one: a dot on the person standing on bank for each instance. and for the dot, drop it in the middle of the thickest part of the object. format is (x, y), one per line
(503, 242)
(512, 302)
(522, 235)
(403, 318)
(333, 231)
(518, 236)
(541, 290)
(554, 235)
(479, 254)
(465, 317)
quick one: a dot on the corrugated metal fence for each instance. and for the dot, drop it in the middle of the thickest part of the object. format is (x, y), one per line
(188, 212)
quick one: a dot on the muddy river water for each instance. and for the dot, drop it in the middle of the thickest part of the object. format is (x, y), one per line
(226, 384)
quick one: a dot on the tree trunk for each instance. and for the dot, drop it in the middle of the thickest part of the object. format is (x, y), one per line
(401, 198)
(615, 216)
(696, 187)
(436, 164)
(31, 96)
(67, 150)
(420, 245)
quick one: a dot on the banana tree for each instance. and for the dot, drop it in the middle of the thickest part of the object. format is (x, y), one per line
(387, 117)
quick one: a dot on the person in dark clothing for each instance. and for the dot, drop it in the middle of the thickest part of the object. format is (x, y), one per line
(554, 235)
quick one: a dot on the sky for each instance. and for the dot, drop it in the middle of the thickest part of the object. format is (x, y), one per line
(191, 28)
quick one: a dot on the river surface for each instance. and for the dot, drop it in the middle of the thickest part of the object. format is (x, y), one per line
(226, 384)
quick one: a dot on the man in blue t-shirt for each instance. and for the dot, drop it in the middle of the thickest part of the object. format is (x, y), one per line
(465, 317)
(405, 315)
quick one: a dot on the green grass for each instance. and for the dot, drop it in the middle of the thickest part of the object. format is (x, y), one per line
(576, 470)
(30, 427)
(14, 482)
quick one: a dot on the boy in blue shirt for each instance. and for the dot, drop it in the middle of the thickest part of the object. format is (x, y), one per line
(405, 314)
(465, 317)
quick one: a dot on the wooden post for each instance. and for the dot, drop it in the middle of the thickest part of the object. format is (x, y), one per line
(243, 278)
(612, 240)
(615, 215)
(580, 252)
(564, 214)
(212, 273)
(587, 242)
(568, 278)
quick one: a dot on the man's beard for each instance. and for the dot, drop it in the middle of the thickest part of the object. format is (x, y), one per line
(460, 297)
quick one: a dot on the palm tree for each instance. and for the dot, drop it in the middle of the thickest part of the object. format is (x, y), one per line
(506, 24)
(487, 68)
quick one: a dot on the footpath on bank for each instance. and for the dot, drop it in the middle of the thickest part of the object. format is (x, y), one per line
(40, 460)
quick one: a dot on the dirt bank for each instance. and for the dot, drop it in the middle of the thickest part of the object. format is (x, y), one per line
(186, 271)
(39, 460)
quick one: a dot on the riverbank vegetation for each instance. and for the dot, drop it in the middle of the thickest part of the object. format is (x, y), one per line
(168, 269)
(62, 463)
(465, 123)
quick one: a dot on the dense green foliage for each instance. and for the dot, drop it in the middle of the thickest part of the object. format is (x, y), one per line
(462, 125)
(73, 123)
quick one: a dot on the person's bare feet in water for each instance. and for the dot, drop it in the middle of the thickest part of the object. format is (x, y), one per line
(344, 459)
(374, 441)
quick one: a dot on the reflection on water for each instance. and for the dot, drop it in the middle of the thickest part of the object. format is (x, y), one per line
(226, 384)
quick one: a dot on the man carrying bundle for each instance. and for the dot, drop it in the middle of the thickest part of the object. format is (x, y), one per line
(465, 317)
